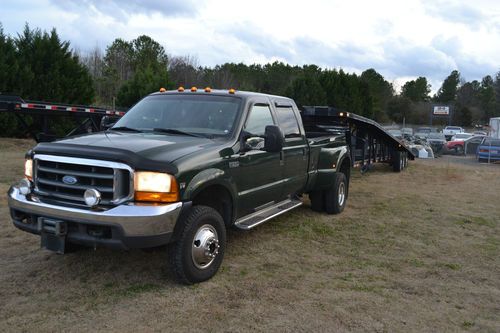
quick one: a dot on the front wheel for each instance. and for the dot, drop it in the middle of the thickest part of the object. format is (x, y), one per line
(336, 197)
(198, 252)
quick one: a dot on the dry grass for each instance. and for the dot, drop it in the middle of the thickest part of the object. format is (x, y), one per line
(416, 251)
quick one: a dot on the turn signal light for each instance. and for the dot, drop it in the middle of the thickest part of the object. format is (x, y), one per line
(156, 196)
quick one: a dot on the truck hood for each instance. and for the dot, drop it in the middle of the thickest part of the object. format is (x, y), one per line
(148, 151)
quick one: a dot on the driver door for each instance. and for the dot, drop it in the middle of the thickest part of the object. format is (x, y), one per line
(259, 175)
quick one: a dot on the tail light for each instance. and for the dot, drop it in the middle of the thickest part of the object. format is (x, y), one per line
(484, 150)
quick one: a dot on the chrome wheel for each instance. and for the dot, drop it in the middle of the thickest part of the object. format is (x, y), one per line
(205, 247)
(341, 197)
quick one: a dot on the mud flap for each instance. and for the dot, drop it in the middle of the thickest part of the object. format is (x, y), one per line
(53, 234)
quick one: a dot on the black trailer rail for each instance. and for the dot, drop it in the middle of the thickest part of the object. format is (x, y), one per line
(87, 117)
(369, 142)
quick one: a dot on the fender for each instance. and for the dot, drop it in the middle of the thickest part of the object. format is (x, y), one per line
(207, 178)
(326, 170)
(344, 154)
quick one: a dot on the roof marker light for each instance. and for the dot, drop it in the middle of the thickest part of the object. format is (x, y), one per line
(232, 91)
(208, 89)
(180, 89)
(162, 89)
(194, 89)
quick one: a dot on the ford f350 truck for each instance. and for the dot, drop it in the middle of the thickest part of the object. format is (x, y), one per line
(179, 168)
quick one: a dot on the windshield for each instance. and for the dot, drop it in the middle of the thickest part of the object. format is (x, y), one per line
(453, 128)
(462, 136)
(201, 115)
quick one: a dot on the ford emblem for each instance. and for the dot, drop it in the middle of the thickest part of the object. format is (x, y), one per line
(70, 180)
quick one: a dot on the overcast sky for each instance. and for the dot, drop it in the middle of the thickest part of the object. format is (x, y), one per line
(400, 39)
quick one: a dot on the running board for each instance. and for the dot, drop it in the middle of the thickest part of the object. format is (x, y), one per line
(261, 216)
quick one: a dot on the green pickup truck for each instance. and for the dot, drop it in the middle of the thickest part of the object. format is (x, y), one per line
(179, 168)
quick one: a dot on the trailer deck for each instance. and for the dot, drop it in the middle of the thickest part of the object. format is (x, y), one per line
(87, 117)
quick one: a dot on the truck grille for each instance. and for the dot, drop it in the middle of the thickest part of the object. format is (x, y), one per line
(67, 178)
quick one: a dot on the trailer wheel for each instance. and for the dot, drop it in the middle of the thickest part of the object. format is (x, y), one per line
(198, 252)
(317, 199)
(397, 161)
(336, 197)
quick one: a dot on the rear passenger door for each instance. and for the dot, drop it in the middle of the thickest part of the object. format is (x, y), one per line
(295, 150)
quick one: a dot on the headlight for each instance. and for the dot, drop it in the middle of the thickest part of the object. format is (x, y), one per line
(28, 169)
(155, 186)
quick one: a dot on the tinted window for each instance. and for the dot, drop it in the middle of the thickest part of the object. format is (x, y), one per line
(206, 115)
(288, 122)
(260, 117)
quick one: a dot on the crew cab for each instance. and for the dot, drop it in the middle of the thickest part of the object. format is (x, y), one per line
(178, 169)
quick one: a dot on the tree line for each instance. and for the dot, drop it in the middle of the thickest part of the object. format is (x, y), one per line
(38, 65)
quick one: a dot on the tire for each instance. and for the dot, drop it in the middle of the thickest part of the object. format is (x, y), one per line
(459, 150)
(397, 161)
(336, 197)
(189, 265)
(317, 199)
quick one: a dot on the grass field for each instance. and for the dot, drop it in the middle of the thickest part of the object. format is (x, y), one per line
(415, 251)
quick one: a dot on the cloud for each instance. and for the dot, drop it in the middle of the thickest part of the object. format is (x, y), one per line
(123, 9)
(456, 13)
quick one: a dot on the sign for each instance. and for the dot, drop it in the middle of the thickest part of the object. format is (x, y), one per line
(442, 110)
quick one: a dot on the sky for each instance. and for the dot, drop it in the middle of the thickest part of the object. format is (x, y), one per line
(400, 39)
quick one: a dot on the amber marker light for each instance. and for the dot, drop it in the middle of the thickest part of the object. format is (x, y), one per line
(28, 169)
(162, 89)
(208, 89)
(232, 91)
(155, 187)
(180, 89)
(194, 89)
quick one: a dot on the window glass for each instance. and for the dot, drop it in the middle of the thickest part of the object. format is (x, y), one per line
(260, 117)
(205, 115)
(288, 122)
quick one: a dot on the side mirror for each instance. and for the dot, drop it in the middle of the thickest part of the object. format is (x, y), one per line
(106, 123)
(274, 139)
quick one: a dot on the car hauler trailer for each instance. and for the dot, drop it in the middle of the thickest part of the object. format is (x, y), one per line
(87, 117)
(368, 141)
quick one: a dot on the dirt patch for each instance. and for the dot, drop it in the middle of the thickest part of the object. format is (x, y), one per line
(415, 251)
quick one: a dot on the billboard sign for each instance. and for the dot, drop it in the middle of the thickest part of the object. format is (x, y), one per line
(441, 110)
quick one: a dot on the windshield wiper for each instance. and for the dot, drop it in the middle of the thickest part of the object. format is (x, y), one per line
(176, 131)
(125, 129)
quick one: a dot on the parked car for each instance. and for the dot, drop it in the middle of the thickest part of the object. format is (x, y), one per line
(407, 131)
(423, 132)
(396, 133)
(437, 142)
(450, 131)
(467, 146)
(488, 150)
(461, 136)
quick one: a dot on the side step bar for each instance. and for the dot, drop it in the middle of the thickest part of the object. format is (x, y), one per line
(261, 216)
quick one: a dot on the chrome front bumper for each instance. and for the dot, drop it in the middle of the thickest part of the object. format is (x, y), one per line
(134, 220)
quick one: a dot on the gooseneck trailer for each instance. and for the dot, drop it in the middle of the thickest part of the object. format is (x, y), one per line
(368, 141)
